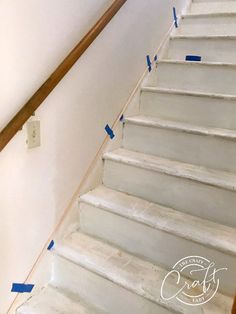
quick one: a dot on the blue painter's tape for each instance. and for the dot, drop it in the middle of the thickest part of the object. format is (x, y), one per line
(149, 63)
(193, 58)
(51, 245)
(175, 17)
(109, 131)
(22, 288)
(156, 60)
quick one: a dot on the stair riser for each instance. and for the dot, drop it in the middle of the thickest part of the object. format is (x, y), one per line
(211, 50)
(211, 26)
(203, 111)
(196, 77)
(213, 7)
(158, 246)
(209, 151)
(96, 290)
(189, 196)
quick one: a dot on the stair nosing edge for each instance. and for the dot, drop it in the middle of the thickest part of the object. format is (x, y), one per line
(197, 63)
(112, 156)
(152, 89)
(213, 14)
(210, 37)
(188, 128)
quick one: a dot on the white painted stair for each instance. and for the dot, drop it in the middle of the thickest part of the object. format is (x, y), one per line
(205, 77)
(192, 189)
(210, 48)
(167, 193)
(208, 7)
(190, 107)
(139, 226)
(167, 138)
(217, 24)
(115, 276)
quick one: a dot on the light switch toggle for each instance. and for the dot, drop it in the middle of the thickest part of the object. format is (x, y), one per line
(33, 133)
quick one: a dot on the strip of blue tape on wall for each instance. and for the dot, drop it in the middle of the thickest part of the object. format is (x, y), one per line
(22, 288)
(109, 131)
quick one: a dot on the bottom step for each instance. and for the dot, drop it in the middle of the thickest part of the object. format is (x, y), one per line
(53, 301)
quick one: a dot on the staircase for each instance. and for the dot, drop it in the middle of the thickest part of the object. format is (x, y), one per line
(167, 193)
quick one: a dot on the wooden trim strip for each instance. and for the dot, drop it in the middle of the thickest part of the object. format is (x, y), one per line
(234, 306)
(42, 93)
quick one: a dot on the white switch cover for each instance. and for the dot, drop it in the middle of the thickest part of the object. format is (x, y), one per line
(33, 133)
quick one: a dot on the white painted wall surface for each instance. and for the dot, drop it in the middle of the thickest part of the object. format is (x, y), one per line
(36, 185)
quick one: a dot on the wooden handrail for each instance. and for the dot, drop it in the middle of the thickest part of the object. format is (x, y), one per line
(42, 93)
(233, 311)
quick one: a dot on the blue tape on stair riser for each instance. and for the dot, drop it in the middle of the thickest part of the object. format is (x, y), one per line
(22, 288)
(193, 58)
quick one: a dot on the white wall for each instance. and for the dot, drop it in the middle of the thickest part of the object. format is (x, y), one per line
(36, 185)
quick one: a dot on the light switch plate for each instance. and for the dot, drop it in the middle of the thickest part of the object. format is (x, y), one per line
(33, 133)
